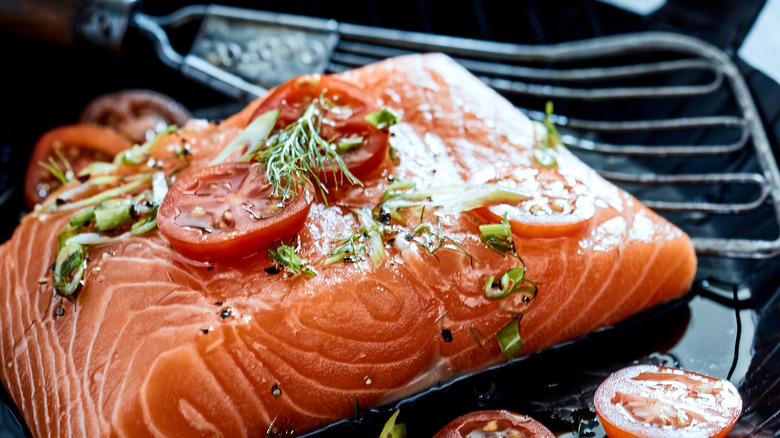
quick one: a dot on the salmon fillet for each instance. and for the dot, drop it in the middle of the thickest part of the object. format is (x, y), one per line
(146, 349)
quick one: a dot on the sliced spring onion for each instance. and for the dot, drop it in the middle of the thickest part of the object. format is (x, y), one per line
(102, 196)
(286, 256)
(159, 187)
(64, 234)
(376, 244)
(383, 118)
(509, 339)
(145, 225)
(498, 237)
(252, 137)
(95, 239)
(140, 154)
(98, 168)
(396, 188)
(69, 258)
(392, 430)
(455, 199)
(348, 144)
(82, 217)
(545, 158)
(553, 136)
(113, 213)
(506, 284)
(66, 288)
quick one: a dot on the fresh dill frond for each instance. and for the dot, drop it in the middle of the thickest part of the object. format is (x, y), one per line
(432, 238)
(298, 155)
(286, 256)
(365, 241)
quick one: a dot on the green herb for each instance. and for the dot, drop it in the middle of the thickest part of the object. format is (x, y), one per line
(252, 137)
(352, 248)
(113, 214)
(474, 332)
(348, 144)
(287, 257)
(454, 199)
(383, 118)
(98, 168)
(297, 156)
(392, 430)
(54, 168)
(545, 155)
(140, 154)
(137, 182)
(553, 136)
(509, 339)
(397, 188)
(432, 238)
(509, 283)
(69, 269)
(498, 237)
(82, 217)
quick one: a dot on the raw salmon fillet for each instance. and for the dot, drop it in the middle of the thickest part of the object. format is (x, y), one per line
(145, 350)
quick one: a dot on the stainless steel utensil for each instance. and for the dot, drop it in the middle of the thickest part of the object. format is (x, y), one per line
(243, 52)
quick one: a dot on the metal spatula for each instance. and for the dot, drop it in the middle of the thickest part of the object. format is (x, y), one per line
(243, 52)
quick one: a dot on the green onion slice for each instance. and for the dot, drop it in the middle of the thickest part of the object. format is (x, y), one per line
(383, 118)
(509, 339)
(285, 255)
(392, 430)
(252, 137)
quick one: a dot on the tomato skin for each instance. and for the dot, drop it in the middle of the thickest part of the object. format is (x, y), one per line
(537, 217)
(136, 114)
(650, 401)
(81, 143)
(235, 188)
(475, 422)
(296, 94)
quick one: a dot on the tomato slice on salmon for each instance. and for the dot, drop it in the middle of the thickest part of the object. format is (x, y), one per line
(494, 424)
(227, 211)
(79, 144)
(137, 114)
(557, 206)
(652, 401)
(345, 108)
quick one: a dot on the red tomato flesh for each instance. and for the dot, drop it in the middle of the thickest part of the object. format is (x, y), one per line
(557, 206)
(494, 424)
(343, 116)
(80, 144)
(651, 401)
(227, 211)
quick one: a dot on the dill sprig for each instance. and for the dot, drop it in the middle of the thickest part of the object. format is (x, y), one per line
(286, 256)
(298, 155)
(432, 238)
(353, 248)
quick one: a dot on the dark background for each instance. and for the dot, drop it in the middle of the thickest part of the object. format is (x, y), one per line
(44, 86)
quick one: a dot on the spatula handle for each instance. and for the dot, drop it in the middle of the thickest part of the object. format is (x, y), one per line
(48, 20)
(96, 22)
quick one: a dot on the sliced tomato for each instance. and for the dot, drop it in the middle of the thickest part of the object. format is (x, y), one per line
(226, 211)
(346, 107)
(494, 424)
(557, 205)
(653, 401)
(137, 114)
(80, 144)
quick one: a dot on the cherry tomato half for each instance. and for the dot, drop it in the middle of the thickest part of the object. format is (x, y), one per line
(653, 401)
(557, 206)
(80, 144)
(226, 211)
(494, 424)
(343, 117)
(137, 114)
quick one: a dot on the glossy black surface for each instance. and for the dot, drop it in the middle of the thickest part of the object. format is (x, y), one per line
(45, 86)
